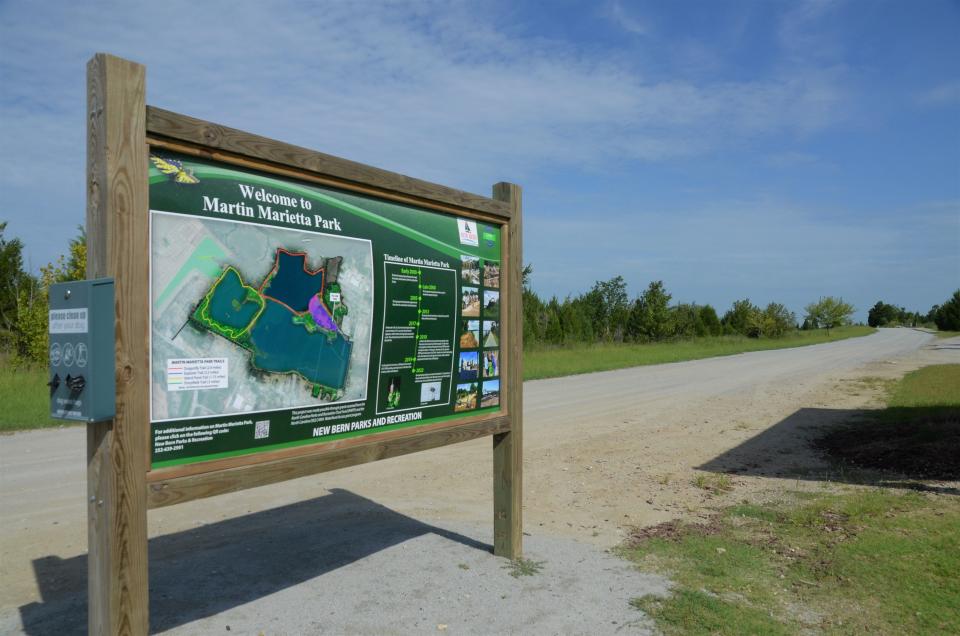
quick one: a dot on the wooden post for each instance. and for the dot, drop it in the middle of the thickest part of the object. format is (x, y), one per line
(508, 447)
(118, 247)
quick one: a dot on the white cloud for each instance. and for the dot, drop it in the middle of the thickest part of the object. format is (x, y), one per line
(945, 94)
(627, 20)
(803, 35)
(375, 76)
(427, 89)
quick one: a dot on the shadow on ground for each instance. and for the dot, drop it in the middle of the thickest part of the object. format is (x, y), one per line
(854, 446)
(207, 570)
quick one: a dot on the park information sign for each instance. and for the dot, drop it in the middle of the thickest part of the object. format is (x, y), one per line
(285, 314)
(280, 312)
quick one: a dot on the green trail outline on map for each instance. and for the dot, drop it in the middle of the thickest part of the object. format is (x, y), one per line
(332, 345)
(203, 317)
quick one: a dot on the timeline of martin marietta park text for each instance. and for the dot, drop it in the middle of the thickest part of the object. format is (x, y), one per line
(285, 313)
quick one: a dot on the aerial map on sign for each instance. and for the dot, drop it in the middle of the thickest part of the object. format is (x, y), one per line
(267, 317)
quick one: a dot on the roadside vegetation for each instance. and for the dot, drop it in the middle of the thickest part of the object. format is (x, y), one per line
(870, 561)
(556, 361)
(24, 397)
(606, 315)
(945, 317)
(23, 298)
(847, 559)
(604, 329)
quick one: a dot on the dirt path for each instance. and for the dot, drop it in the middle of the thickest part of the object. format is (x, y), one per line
(603, 452)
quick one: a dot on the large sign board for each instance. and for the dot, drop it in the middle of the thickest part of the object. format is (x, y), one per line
(286, 314)
(280, 312)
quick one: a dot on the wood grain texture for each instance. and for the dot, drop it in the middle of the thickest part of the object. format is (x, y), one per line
(222, 156)
(508, 446)
(180, 489)
(118, 247)
(164, 123)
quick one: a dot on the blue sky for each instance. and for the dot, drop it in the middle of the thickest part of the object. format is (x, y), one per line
(773, 150)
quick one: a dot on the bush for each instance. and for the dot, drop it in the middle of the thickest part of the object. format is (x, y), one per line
(947, 315)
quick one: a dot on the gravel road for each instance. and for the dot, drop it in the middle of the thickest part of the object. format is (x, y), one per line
(402, 546)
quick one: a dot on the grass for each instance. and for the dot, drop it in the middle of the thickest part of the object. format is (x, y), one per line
(936, 386)
(716, 483)
(24, 398)
(857, 561)
(524, 567)
(946, 334)
(916, 435)
(550, 362)
(871, 561)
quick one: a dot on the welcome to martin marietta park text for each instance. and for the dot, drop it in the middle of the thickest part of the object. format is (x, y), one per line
(240, 208)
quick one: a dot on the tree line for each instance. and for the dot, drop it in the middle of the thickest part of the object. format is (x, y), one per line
(945, 317)
(24, 308)
(606, 313)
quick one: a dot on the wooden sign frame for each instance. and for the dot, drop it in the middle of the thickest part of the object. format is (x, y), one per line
(121, 486)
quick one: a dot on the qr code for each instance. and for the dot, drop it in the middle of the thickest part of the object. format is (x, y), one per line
(262, 429)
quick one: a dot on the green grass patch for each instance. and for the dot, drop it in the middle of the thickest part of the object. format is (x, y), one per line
(24, 398)
(935, 386)
(550, 362)
(524, 567)
(946, 334)
(715, 483)
(696, 612)
(874, 561)
(916, 435)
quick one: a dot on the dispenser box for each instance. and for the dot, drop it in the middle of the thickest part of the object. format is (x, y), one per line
(82, 359)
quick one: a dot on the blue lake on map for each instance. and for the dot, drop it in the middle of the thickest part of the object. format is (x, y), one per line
(292, 284)
(229, 304)
(280, 346)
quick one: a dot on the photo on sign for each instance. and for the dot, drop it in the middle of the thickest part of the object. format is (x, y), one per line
(469, 334)
(393, 392)
(490, 394)
(491, 333)
(491, 364)
(470, 269)
(491, 274)
(491, 303)
(466, 399)
(470, 302)
(289, 312)
(469, 368)
(430, 392)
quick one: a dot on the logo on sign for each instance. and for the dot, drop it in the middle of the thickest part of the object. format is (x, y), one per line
(468, 232)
